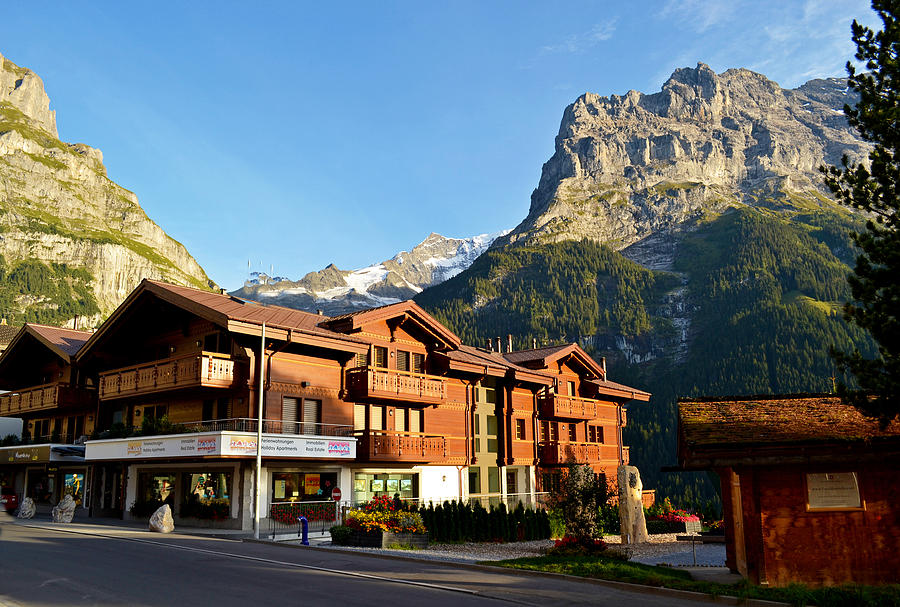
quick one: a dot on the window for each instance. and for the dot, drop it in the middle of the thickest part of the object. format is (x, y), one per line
(554, 432)
(400, 420)
(493, 479)
(362, 359)
(381, 357)
(545, 431)
(418, 363)
(573, 432)
(595, 434)
(207, 494)
(302, 486)
(572, 391)
(403, 360)
(520, 429)
(474, 480)
(289, 414)
(152, 412)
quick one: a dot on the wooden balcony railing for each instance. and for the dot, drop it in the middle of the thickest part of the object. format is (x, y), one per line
(375, 383)
(385, 445)
(582, 453)
(575, 407)
(205, 369)
(47, 396)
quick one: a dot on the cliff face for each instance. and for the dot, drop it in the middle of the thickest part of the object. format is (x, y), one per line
(336, 291)
(628, 168)
(57, 206)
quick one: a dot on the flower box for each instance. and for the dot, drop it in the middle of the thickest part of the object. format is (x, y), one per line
(387, 539)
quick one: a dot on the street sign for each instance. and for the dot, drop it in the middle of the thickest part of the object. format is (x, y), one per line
(336, 494)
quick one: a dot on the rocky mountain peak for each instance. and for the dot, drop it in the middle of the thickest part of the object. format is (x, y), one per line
(632, 166)
(23, 89)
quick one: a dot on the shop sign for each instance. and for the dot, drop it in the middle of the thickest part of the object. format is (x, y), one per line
(26, 454)
(219, 444)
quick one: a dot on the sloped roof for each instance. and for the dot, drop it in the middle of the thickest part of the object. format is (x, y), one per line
(612, 388)
(495, 360)
(65, 343)
(535, 355)
(7, 333)
(230, 312)
(710, 427)
(542, 358)
(358, 319)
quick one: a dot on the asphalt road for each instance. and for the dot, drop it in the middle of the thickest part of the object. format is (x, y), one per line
(51, 566)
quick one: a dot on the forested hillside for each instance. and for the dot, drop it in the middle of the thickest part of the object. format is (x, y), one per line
(752, 307)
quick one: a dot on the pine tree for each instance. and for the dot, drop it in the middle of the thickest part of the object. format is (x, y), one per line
(874, 187)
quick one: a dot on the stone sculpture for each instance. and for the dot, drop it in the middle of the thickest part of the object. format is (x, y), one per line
(161, 521)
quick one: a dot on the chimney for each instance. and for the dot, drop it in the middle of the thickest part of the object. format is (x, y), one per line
(534, 343)
(222, 291)
(490, 345)
(75, 322)
(320, 313)
(509, 342)
(603, 366)
(499, 345)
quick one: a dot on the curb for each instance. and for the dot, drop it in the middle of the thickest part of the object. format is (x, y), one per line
(627, 586)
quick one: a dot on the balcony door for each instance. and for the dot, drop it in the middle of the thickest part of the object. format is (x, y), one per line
(289, 415)
(312, 416)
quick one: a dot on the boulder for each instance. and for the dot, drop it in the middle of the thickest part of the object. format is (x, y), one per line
(631, 506)
(161, 521)
(26, 508)
(64, 512)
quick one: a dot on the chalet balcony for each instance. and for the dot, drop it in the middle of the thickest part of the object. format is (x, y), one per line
(575, 407)
(47, 396)
(389, 446)
(583, 453)
(205, 369)
(371, 383)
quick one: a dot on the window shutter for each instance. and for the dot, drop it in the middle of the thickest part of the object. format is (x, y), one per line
(418, 363)
(402, 360)
(377, 417)
(359, 417)
(362, 359)
(311, 415)
(415, 420)
(400, 420)
(380, 356)
(289, 414)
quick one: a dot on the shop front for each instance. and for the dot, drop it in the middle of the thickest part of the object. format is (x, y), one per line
(419, 484)
(207, 478)
(46, 474)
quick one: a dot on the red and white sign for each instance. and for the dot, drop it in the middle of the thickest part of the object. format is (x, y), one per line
(336, 494)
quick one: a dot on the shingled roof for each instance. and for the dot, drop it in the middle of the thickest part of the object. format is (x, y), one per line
(65, 343)
(715, 428)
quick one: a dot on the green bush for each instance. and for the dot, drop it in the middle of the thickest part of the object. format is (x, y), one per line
(471, 522)
(340, 535)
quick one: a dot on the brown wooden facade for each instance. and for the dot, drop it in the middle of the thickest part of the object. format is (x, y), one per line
(809, 487)
(393, 378)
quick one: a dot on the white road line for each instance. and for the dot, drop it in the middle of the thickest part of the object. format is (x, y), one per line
(275, 562)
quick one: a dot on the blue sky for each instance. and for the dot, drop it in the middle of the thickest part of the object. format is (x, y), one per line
(295, 135)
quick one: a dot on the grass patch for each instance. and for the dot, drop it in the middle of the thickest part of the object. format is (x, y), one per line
(12, 119)
(605, 568)
(47, 161)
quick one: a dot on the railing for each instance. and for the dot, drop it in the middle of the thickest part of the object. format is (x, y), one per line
(284, 516)
(47, 396)
(575, 407)
(372, 382)
(403, 446)
(203, 369)
(270, 426)
(560, 453)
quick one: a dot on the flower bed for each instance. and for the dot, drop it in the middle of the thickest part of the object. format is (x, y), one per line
(381, 524)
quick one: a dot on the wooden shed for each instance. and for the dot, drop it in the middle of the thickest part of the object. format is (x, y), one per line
(809, 486)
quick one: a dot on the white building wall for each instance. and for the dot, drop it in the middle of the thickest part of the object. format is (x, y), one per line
(439, 483)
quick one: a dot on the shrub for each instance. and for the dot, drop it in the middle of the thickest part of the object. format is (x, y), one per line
(578, 500)
(340, 534)
(573, 546)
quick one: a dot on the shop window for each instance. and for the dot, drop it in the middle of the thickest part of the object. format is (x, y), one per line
(155, 488)
(208, 495)
(41, 486)
(381, 356)
(520, 429)
(73, 484)
(369, 485)
(403, 363)
(302, 486)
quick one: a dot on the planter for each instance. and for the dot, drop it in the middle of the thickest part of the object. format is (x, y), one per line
(386, 539)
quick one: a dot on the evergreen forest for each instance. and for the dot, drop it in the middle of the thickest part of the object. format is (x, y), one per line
(751, 305)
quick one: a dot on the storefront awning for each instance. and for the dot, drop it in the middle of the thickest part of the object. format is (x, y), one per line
(41, 454)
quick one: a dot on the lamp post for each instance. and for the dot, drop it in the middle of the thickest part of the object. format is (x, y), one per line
(259, 422)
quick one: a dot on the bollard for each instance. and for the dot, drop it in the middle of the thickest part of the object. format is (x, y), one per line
(303, 531)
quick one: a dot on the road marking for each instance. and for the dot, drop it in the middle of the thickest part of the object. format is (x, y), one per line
(282, 563)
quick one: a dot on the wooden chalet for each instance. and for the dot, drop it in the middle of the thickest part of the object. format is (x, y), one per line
(385, 401)
(57, 406)
(809, 487)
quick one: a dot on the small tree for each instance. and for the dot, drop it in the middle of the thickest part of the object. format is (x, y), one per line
(578, 499)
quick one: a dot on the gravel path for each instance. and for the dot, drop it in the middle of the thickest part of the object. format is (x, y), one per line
(662, 549)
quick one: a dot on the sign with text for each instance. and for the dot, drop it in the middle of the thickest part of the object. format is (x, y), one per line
(833, 490)
(220, 443)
